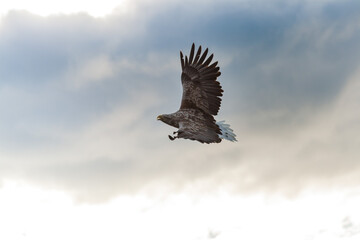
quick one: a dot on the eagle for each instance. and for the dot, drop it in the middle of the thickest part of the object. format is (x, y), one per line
(201, 100)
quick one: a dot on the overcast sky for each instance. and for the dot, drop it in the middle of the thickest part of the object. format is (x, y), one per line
(81, 86)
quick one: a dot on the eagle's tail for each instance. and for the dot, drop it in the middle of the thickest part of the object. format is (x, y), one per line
(226, 132)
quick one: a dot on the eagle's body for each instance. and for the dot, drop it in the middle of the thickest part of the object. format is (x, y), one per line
(200, 102)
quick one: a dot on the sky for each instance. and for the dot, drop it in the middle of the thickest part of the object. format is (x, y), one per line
(82, 155)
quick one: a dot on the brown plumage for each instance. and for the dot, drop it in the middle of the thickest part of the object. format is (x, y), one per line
(200, 101)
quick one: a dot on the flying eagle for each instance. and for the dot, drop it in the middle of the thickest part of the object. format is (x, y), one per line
(200, 102)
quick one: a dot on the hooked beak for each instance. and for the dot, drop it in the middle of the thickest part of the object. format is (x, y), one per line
(158, 117)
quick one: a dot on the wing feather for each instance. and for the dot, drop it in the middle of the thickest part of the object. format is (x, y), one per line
(182, 60)
(192, 53)
(203, 57)
(197, 54)
(206, 63)
(200, 88)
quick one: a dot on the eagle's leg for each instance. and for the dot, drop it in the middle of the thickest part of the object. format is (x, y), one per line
(172, 138)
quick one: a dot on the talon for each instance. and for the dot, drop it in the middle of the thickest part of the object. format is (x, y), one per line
(171, 138)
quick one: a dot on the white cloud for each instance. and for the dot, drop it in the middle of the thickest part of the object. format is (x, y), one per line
(93, 70)
(46, 8)
(34, 213)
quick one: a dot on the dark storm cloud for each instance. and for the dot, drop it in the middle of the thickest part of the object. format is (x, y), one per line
(295, 60)
(287, 57)
(79, 96)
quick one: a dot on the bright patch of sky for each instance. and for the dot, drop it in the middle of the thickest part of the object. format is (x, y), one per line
(45, 8)
(28, 212)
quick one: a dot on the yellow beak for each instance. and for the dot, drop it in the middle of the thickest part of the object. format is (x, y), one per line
(158, 117)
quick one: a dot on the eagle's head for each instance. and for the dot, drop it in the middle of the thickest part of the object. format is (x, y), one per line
(168, 119)
(163, 117)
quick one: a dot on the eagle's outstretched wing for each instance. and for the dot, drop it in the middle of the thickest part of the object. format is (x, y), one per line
(198, 78)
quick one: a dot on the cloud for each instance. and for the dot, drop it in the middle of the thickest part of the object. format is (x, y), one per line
(96, 69)
(350, 229)
(213, 235)
(79, 96)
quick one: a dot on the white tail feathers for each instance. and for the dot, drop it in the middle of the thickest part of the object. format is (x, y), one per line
(226, 132)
